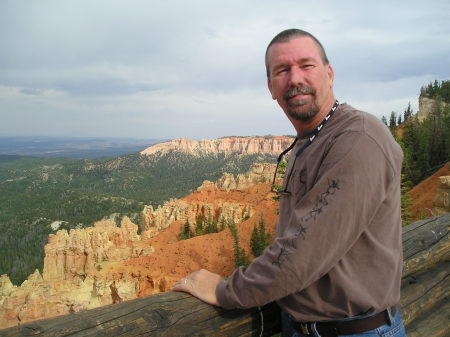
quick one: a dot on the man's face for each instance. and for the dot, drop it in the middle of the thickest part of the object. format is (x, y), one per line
(298, 79)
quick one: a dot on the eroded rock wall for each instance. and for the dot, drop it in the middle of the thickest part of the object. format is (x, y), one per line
(239, 145)
(73, 277)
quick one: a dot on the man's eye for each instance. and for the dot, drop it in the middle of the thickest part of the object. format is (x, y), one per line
(307, 66)
(282, 71)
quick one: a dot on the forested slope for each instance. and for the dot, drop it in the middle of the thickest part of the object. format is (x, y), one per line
(36, 192)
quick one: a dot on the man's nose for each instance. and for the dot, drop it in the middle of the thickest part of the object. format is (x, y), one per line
(296, 77)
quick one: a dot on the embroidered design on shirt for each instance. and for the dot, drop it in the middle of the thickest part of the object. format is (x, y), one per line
(322, 202)
(301, 190)
(301, 231)
(279, 259)
(333, 186)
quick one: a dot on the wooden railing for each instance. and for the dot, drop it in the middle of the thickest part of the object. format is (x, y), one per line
(424, 305)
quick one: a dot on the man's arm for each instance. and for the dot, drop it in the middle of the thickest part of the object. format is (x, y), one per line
(321, 229)
(353, 181)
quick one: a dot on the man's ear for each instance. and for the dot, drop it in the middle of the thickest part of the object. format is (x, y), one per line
(330, 73)
(269, 85)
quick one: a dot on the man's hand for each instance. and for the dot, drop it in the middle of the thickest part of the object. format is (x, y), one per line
(201, 284)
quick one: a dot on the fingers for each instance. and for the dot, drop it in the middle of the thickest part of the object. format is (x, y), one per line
(201, 284)
(185, 284)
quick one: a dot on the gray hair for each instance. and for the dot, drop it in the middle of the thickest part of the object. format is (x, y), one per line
(289, 34)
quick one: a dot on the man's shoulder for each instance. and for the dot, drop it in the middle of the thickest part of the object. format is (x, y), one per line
(369, 127)
(364, 125)
(360, 121)
(359, 118)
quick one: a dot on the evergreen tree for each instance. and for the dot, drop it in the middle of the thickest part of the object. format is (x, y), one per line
(384, 120)
(408, 113)
(445, 91)
(240, 257)
(199, 230)
(429, 90)
(413, 154)
(426, 144)
(437, 90)
(222, 223)
(445, 116)
(405, 201)
(438, 152)
(186, 232)
(280, 175)
(423, 91)
(211, 226)
(260, 239)
(392, 122)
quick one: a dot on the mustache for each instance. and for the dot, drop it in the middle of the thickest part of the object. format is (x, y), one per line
(302, 89)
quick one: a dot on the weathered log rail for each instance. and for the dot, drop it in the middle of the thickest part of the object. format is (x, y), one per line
(426, 282)
(424, 305)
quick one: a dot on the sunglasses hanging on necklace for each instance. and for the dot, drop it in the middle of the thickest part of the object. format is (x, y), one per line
(284, 191)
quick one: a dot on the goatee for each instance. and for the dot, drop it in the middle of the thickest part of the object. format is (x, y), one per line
(298, 109)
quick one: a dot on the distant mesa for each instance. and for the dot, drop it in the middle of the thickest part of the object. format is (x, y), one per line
(271, 145)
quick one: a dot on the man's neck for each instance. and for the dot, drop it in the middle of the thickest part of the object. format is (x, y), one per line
(303, 128)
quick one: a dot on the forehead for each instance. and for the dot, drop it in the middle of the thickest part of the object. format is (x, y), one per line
(295, 49)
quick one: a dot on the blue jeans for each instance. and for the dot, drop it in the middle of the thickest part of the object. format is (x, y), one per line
(396, 329)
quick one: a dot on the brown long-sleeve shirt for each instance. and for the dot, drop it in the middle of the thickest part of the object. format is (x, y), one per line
(338, 250)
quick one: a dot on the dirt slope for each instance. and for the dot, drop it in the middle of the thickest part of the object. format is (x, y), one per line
(424, 193)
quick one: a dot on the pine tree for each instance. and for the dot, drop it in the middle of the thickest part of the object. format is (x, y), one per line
(405, 202)
(445, 91)
(240, 257)
(436, 88)
(260, 239)
(384, 120)
(429, 91)
(254, 244)
(408, 113)
(199, 230)
(222, 223)
(211, 226)
(414, 156)
(426, 144)
(445, 116)
(186, 232)
(437, 146)
(280, 175)
(392, 122)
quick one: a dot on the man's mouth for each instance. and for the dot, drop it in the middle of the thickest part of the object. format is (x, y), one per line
(298, 92)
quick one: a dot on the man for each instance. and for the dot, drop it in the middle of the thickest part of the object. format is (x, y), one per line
(335, 265)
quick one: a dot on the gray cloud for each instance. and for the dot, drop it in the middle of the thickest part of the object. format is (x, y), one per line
(179, 69)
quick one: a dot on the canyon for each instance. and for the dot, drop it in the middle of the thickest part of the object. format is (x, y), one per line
(109, 263)
(104, 264)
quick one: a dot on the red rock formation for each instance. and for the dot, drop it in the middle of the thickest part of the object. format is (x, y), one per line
(189, 208)
(104, 264)
(73, 276)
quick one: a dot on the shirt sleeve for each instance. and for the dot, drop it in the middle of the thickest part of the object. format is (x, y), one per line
(352, 182)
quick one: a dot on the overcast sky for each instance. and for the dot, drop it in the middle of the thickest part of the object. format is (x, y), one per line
(195, 69)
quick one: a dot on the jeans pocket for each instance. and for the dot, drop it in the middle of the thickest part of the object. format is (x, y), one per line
(396, 330)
